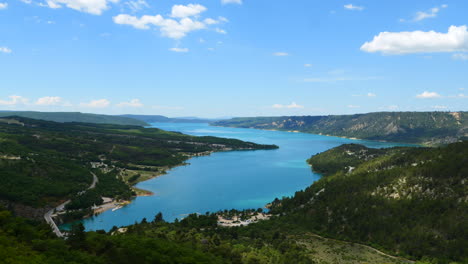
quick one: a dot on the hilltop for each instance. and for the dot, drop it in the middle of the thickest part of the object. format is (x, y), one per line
(431, 128)
(64, 117)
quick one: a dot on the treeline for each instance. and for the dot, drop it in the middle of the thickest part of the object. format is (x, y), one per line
(195, 239)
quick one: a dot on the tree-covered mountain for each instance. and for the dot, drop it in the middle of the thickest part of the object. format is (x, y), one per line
(430, 128)
(63, 117)
(407, 201)
(165, 119)
(43, 162)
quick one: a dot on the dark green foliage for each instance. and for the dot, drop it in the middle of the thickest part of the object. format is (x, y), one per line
(408, 201)
(43, 162)
(195, 239)
(412, 127)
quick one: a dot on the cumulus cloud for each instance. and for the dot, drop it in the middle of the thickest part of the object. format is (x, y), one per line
(460, 56)
(307, 65)
(290, 106)
(180, 50)
(426, 95)
(456, 39)
(5, 50)
(95, 7)
(101, 103)
(371, 95)
(280, 54)
(131, 103)
(181, 11)
(3, 6)
(14, 100)
(225, 2)
(353, 7)
(428, 14)
(184, 20)
(49, 100)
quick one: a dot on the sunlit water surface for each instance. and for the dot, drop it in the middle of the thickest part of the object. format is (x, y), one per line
(225, 180)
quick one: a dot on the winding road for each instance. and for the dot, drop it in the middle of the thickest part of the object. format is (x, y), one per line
(48, 216)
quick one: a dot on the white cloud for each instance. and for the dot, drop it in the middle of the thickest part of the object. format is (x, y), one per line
(169, 27)
(102, 103)
(210, 21)
(456, 39)
(14, 100)
(95, 7)
(137, 5)
(225, 2)
(220, 31)
(371, 95)
(223, 19)
(5, 50)
(280, 54)
(49, 100)
(462, 95)
(307, 65)
(132, 103)
(426, 95)
(460, 56)
(439, 107)
(3, 6)
(181, 11)
(353, 7)
(179, 50)
(293, 105)
(429, 14)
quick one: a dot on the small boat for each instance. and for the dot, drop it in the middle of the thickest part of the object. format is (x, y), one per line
(117, 208)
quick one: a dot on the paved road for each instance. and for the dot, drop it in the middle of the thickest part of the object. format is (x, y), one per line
(48, 216)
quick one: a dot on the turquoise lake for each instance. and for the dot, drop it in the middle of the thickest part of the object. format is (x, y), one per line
(226, 180)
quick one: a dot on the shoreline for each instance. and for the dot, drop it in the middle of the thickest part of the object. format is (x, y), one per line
(328, 135)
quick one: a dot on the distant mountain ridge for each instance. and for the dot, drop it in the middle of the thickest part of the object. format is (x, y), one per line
(165, 119)
(65, 117)
(431, 128)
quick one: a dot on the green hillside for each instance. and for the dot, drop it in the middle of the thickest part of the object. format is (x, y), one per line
(43, 162)
(407, 201)
(63, 117)
(430, 128)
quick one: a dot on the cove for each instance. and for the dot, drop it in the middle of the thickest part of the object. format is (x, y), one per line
(227, 180)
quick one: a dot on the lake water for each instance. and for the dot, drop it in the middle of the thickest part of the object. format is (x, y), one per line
(226, 180)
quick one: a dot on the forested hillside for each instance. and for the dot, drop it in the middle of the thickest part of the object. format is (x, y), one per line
(430, 128)
(63, 117)
(408, 201)
(43, 162)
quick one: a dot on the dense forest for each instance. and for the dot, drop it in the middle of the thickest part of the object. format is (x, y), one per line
(431, 128)
(63, 117)
(43, 162)
(408, 201)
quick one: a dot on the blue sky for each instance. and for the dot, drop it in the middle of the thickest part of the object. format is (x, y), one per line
(216, 58)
